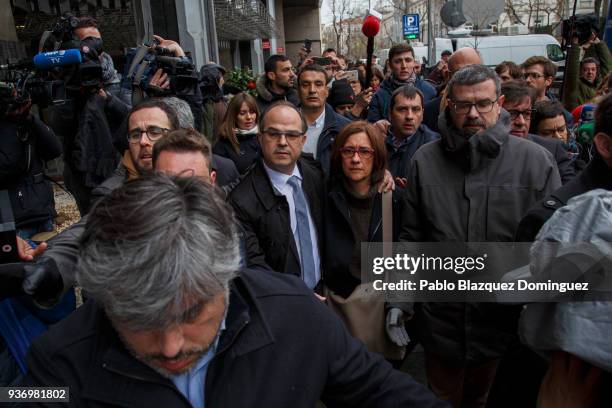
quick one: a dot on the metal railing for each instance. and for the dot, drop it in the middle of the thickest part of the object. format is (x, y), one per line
(243, 20)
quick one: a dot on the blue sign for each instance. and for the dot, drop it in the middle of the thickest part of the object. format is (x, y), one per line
(410, 25)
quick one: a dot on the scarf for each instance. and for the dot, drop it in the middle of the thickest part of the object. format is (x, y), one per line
(571, 145)
(241, 132)
(109, 73)
(472, 148)
(396, 83)
(130, 166)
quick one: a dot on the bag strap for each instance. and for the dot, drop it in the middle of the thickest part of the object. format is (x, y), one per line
(387, 216)
(387, 221)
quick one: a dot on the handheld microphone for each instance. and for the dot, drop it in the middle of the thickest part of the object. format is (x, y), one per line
(61, 58)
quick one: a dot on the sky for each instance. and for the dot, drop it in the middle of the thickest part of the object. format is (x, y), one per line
(326, 15)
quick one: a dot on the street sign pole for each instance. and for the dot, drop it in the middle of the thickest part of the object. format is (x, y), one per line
(430, 37)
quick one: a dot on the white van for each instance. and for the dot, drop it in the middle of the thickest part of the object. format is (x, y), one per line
(516, 48)
(495, 49)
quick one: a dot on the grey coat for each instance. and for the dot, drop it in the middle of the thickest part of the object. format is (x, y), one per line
(473, 190)
(580, 328)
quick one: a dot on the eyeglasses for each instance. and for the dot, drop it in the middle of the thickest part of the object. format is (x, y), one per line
(534, 75)
(525, 113)
(154, 133)
(290, 135)
(483, 106)
(362, 152)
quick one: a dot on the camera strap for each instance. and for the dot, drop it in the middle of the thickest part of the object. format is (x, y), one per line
(8, 241)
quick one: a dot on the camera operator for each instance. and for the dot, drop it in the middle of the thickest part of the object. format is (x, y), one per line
(26, 144)
(94, 109)
(583, 78)
(186, 88)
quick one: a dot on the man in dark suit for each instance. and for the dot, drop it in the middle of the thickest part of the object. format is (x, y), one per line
(518, 102)
(279, 201)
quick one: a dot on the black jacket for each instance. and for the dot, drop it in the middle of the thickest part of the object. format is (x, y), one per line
(22, 158)
(244, 158)
(281, 348)
(88, 128)
(265, 97)
(596, 175)
(567, 170)
(340, 237)
(398, 159)
(334, 123)
(227, 174)
(264, 215)
(431, 111)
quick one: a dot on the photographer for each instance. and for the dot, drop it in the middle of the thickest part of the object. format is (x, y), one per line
(26, 144)
(583, 78)
(96, 106)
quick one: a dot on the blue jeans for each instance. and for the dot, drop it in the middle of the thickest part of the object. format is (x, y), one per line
(31, 230)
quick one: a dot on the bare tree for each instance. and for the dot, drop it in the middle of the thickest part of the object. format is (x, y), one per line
(513, 8)
(339, 9)
(480, 13)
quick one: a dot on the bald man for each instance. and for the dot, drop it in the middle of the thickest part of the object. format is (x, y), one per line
(460, 58)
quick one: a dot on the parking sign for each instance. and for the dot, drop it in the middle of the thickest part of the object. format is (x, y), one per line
(411, 26)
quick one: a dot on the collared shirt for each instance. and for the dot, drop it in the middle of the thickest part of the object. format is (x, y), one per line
(191, 384)
(279, 182)
(398, 143)
(313, 133)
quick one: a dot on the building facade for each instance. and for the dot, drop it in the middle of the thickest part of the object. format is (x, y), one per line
(235, 33)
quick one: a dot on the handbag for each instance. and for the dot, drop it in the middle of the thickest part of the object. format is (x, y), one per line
(363, 312)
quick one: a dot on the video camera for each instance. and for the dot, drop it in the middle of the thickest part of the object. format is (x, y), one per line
(79, 65)
(35, 81)
(150, 57)
(582, 26)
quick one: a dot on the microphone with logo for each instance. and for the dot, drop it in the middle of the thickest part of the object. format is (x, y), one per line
(61, 58)
(48, 60)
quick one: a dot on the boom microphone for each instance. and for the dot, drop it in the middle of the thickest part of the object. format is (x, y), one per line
(370, 27)
(61, 58)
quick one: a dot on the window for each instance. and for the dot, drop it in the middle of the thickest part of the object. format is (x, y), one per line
(554, 53)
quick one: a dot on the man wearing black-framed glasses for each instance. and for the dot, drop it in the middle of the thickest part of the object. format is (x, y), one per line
(472, 185)
(518, 101)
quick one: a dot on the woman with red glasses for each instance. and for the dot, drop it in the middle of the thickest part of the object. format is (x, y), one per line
(354, 213)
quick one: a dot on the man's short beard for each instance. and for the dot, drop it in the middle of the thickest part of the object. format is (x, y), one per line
(471, 132)
(147, 359)
(286, 87)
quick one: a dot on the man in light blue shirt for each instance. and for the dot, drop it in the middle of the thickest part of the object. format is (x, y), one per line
(191, 383)
(281, 183)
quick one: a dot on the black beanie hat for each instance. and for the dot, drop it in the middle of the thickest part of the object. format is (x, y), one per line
(341, 93)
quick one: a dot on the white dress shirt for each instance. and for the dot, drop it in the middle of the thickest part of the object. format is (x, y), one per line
(279, 182)
(312, 135)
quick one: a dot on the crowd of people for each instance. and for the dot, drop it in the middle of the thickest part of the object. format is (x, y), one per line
(219, 252)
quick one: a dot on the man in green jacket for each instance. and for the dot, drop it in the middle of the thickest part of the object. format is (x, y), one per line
(583, 78)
